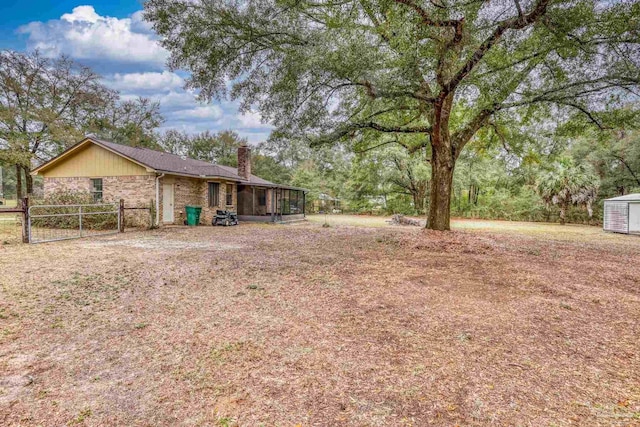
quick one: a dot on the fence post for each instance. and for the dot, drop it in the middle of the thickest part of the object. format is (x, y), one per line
(121, 216)
(25, 220)
(80, 218)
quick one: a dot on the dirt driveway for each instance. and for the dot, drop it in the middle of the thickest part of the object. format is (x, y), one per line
(312, 326)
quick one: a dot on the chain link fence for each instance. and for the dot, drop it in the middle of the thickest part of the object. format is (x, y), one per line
(49, 223)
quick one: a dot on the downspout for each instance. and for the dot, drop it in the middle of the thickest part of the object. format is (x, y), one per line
(158, 199)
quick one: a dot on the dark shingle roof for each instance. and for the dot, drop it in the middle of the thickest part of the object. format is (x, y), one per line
(172, 163)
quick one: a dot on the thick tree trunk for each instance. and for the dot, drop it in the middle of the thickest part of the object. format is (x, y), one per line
(563, 213)
(418, 201)
(29, 181)
(442, 164)
(19, 193)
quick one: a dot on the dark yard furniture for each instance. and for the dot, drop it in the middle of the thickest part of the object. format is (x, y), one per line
(225, 218)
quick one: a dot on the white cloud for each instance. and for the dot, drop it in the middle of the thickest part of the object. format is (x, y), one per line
(138, 24)
(203, 112)
(82, 14)
(177, 100)
(145, 81)
(193, 127)
(252, 119)
(83, 34)
(254, 138)
(125, 51)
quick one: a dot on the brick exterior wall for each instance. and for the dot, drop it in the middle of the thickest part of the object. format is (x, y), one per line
(139, 191)
(209, 212)
(136, 190)
(193, 191)
(54, 185)
(244, 161)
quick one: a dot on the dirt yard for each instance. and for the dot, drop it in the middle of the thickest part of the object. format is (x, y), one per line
(495, 323)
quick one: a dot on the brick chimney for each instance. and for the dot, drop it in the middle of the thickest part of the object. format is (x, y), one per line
(244, 161)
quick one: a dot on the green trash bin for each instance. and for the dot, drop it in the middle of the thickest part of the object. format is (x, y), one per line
(193, 214)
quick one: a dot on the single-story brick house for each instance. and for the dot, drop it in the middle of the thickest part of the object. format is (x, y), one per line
(113, 171)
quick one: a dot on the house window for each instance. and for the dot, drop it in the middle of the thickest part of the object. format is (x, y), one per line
(96, 189)
(214, 194)
(262, 197)
(229, 194)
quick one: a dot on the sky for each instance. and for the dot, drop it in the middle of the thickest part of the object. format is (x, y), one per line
(112, 38)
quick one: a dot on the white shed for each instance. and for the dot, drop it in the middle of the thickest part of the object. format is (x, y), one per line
(622, 214)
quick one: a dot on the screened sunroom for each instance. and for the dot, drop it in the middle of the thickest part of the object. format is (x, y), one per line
(270, 204)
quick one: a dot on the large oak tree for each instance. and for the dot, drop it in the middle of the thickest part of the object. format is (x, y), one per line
(48, 104)
(43, 102)
(378, 70)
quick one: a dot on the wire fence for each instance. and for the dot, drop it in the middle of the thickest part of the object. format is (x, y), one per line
(20, 222)
(137, 216)
(48, 223)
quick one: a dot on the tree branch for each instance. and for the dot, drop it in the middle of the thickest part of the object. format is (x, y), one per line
(389, 129)
(621, 160)
(426, 19)
(584, 111)
(354, 127)
(374, 93)
(518, 7)
(392, 141)
(460, 138)
(517, 23)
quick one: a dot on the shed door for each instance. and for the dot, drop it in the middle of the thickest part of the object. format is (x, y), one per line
(634, 217)
(167, 203)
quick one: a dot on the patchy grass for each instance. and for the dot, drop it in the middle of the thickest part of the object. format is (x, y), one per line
(10, 228)
(349, 220)
(546, 229)
(357, 324)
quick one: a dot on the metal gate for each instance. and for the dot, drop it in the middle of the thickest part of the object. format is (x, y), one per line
(50, 223)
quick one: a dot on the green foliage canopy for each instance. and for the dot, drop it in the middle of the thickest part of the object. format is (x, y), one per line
(379, 70)
(569, 184)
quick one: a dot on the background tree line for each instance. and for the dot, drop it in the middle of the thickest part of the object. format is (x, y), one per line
(506, 172)
(427, 77)
(48, 104)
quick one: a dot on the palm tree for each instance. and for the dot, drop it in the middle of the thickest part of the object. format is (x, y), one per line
(587, 195)
(569, 184)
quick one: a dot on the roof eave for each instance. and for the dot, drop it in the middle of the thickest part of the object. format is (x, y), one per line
(622, 200)
(284, 187)
(187, 175)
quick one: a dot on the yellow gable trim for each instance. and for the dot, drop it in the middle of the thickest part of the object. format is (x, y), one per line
(72, 150)
(89, 159)
(69, 151)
